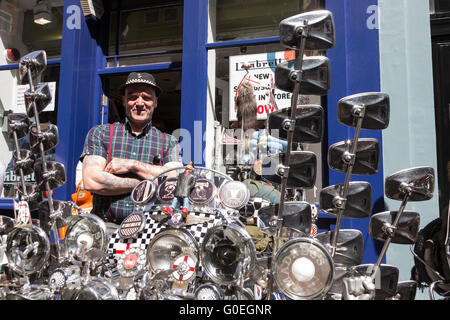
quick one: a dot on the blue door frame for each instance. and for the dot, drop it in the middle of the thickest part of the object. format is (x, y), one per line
(354, 69)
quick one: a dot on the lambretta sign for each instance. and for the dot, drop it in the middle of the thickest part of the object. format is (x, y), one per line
(258, 70)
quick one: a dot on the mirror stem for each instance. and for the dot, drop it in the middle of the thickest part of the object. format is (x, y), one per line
(290, 136)
(390, 236)
(22, 178)
(345, 187)
(54, 227)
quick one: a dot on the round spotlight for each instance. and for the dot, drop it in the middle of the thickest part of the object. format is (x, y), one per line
(65, 278)
(227, 252)
(234, 194)
(85, 232)
(168, 245)
(208, 291)
(27, 249)
(303, 269)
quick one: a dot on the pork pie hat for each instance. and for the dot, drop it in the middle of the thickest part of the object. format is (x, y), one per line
(140, 77)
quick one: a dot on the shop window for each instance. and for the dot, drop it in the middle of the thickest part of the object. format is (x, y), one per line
(439, 6)
(151, 27)
(245, 19)
(230, 130)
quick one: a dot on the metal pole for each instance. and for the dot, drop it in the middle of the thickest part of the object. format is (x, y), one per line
(360, 112)
(279, 216)
(390, 236)
(54, 227)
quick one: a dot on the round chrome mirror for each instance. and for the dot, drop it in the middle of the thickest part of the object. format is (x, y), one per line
(227, 253)
(303, 269)
(27, 249)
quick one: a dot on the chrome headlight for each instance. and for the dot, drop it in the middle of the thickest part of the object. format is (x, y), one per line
(27, 249)
(85, 231)
(96, 289)
(303, 269)
(227, 252)
(168, 245)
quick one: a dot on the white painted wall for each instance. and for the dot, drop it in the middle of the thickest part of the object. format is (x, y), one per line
(406, 75)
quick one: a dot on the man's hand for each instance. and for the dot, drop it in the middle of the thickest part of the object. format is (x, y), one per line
(119, 166)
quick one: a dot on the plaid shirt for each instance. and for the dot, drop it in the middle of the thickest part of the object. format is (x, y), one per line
(126, 145)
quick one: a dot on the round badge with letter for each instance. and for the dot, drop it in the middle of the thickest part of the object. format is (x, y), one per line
(132, 225)
(166, 190)
(143, 192)
(234, 194)
(203, 192)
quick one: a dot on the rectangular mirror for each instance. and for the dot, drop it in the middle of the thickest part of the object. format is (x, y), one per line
(315, 79)
(35, 61)
(54, 173)
(358, 204)
(41, 96)
(296, 216)
(418, 180)
(349, 246)
(49, 137)
(321, 35)
(407, 229)
(308, 123)
(376, 110)
(367, 159)
(302, 173)
(18, 123)
(386, 279)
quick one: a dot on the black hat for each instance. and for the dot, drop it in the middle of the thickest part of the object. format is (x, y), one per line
(140, 77)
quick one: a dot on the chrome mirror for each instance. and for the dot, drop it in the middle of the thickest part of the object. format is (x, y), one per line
(374, 107)
(26, 161)
(406, 290)
(406, 231)
(417, 183)
(302, 172)
(19, 124)
(318, 26)
(49, 137)
(296, 217)
(358, 203)
(314, 78)
(366, 159)
(6, 224)
(386, 279)
(54, 173)
(349, 246)
(32, 195)
(35, 62)
(308, 124)
(41, 96)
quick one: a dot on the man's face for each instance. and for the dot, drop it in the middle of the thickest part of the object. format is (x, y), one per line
(139, 101)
